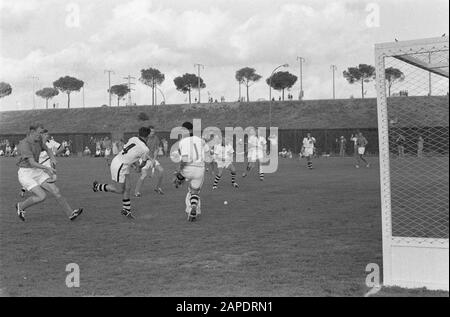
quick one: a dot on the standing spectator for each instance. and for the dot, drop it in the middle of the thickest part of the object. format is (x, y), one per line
(342, 146)
(400, 141)
(420, 144)
(107, 143)
(165, 145)
(353, 138)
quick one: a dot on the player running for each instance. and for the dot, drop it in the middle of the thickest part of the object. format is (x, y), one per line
(361, 143)
(192, 168)
(152, 164)
(223, 156)
(44, 159)
(135, 149)
(308, 146)
(256, 149)
(37, 178)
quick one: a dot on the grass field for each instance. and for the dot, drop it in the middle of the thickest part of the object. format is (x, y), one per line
(298, 233)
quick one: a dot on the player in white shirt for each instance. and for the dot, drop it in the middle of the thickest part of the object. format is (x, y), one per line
(223, 156)
(44, 158)
(256, 149)
(192, 169)
(135, 149)
(308, 149)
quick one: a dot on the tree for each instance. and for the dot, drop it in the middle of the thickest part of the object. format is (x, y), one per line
(363, 73)
(120, 91)
(47, 93)
(152, 77)
(68, 85)
(281, 81)
(5, 89)
(248, 77)
(392, 76)
(187, 82)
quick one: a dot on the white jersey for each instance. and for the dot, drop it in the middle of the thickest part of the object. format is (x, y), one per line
(223, 153)
(194, 149)
(133, 151)
(51, 145)
(256, 143)
(308, 143)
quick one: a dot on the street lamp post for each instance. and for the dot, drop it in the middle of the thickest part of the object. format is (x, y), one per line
(301, 60)
(334, 68)
(270, 92)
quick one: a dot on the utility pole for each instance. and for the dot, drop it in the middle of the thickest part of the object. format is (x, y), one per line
(34, 78)
(109, 83)
(199, 82)
(334, 68)
(129, 83)
(301, 60)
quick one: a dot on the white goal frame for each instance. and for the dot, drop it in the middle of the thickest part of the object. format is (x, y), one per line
(407, 262)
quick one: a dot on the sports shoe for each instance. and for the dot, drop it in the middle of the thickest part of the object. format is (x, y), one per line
(137, 195)
(244, 175)
(75, 214)
(20, 212)
(94, 186)
(159, 190)
(214, 187)
(127, 214)
(193, 214)
(235, 185)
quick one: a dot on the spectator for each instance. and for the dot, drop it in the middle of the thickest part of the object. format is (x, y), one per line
(165, 145)
(420, 144)
(353, 138)
(284, 153)
(87, 151)
(400, 141)
(342, 146)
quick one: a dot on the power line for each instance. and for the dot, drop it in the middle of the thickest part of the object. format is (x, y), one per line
(129, 84)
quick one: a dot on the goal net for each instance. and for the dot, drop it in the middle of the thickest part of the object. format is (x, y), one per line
(413, 122)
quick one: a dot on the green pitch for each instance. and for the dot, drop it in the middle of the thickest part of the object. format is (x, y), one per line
(298, 233)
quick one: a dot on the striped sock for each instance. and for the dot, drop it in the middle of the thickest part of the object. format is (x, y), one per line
(249, 168)
(310, 165)
(194, 199)
(102, 187)
(126, 205)
(216, 181)
(261, 176)
(233, 178)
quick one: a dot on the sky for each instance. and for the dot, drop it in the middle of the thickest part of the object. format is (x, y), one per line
(49, 39)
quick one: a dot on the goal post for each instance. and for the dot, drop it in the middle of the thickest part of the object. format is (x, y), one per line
(413, 127)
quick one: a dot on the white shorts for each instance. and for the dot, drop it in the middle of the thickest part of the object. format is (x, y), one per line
(29, 178)
(223, 164)
(194, 174)
(151, 164)
(308, 151)
(119, 170)
(254, 155)
(361, 150)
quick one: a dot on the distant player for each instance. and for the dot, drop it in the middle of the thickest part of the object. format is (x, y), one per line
(308, 149)
(37, 178)
(223, 156)
(135, 149)
(192, 169)
(256, 149)
(361, 143)
(152, 164)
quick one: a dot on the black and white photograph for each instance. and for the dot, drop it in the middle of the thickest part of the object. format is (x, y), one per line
(225, 154)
